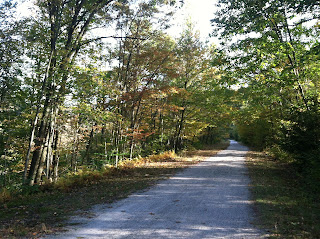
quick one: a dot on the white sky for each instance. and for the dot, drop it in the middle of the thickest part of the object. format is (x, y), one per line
(201, 12)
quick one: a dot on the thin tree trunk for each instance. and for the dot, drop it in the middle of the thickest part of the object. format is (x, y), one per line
(49, 158)
(55, 160)
(161, 127)
(39, 147)
(87, 153)
(51, 143)
(177, 144)
(42, 159)
(47, 151)
(131, 149)
(33, 130)
(74, 153)
(35, 121)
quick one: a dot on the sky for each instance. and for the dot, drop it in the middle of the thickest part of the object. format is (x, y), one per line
(201, 12)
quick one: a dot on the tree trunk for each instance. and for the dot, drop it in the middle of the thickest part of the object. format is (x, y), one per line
(58, 67)
(55, 161)
(46, 156)
(161, 127)
(177, 143)
(39, 146)
(87, 153)
(35, 121)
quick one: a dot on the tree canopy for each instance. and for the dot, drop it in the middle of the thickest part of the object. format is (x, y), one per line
(91, 83)
(276, 60)
(85, 84)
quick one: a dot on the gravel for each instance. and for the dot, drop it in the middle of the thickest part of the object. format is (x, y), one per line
(207, 200)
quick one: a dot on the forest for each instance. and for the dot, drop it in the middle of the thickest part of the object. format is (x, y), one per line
(87, 84)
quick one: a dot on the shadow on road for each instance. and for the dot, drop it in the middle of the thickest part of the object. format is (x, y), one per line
(208, 200)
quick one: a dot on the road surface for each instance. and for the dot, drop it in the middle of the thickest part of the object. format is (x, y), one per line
(207, 200)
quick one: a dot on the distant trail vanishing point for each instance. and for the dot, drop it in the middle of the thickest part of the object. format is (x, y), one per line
(207, 200)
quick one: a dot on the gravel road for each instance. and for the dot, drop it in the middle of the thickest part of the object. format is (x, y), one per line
(208, 200)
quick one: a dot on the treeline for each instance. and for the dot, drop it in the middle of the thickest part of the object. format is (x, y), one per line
(276, 57)
(85, 84)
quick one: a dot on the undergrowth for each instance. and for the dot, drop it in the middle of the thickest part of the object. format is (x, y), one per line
(84, 176)
(284, 203)
(44, 209)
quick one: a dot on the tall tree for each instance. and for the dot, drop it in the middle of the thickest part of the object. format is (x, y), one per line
(276, 45)
(142, 57)
(67, 23)
(10, 52)
(12, 92)
(192, 65)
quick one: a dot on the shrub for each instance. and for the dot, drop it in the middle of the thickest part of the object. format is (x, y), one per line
(5, 195)
(167, 156)
(276, 152)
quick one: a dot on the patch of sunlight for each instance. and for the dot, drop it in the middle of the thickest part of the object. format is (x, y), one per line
(264, 201)
(278, 202)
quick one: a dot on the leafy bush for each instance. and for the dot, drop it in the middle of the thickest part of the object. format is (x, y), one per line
(5, 195)
(167, 156)
(276, 152)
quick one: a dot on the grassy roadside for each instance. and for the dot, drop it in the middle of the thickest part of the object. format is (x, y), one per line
(284, 205)
(45, 212)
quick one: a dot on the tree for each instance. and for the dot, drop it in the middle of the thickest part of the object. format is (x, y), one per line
(194, 74)
(142, 57)
(12, 92)
(276, 49)
(67, 23)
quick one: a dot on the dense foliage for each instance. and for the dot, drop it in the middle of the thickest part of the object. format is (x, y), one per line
(275, 55)
(86, 84)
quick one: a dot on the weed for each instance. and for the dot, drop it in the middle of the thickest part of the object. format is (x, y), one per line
(276, 152)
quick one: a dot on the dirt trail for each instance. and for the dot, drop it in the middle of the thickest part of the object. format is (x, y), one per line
(208, 200)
